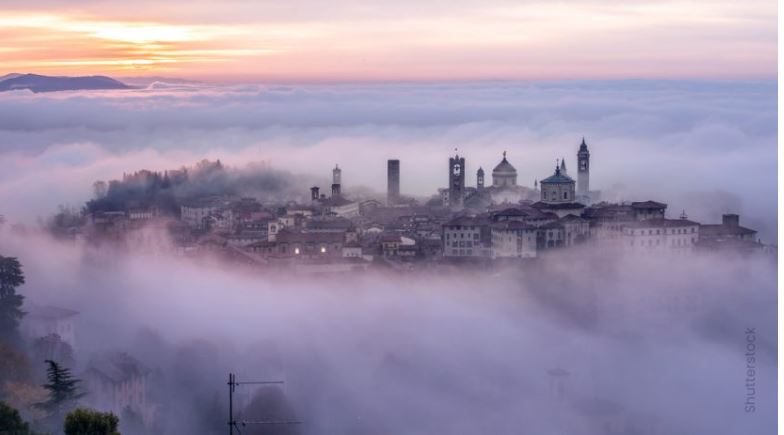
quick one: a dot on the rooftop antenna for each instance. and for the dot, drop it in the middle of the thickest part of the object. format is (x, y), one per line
(233, 424)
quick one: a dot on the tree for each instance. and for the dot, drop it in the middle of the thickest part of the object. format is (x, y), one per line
(54, 348)
(83, 421)
(11, 313)
(11, 422)
(62, 388)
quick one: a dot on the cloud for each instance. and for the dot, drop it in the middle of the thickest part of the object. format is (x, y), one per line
(443, 352)
(404, 40)
(665, 140)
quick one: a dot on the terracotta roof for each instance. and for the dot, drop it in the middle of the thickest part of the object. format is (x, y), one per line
(662, 223)
(559, 205)
(287, 236)
(118, 367)
(648, 205)
(724, 230)
(513, 225)
(51, 312)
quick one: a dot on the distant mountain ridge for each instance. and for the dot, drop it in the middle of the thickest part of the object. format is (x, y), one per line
(40, 83)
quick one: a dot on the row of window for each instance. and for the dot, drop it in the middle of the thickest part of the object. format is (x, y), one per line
(673, 242)
(658, 232)
(463, 236)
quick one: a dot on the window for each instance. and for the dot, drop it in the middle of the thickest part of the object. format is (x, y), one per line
(566, 195)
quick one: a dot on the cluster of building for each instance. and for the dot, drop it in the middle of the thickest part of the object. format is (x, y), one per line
(498, 220)
(113, 381)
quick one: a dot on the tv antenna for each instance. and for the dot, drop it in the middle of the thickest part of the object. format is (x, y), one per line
(234, 424)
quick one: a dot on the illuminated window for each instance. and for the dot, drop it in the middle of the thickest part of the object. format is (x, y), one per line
(296, 251)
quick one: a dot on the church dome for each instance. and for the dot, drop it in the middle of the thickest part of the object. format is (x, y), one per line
(557, 178)
(504, 168)
(504, 174)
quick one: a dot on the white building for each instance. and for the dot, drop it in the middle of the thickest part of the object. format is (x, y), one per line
(117, 382)
(195, 214)
(663, 235)
(513, 239)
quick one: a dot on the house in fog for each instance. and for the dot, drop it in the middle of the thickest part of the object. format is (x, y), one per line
(118, 382)
(43, 321)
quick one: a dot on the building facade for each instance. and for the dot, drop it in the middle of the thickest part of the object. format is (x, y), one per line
(661, 235)
(513, 239)
(456, 181)
(557, 188)
(393, 181)
(583, 171)
(466, 237)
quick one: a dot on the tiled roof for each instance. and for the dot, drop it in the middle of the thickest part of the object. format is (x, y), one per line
(648, 205)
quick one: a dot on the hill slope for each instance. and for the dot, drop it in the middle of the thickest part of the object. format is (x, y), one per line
(39, 83)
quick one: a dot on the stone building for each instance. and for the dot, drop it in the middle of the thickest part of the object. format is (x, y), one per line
(504, 174)
(393, 181)
(467, 237)
(456, 181)
(513, 239)
(583, 173)
(557, 188)
(670, 235)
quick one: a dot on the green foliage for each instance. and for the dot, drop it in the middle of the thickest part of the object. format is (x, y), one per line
(62, 388)
(11, 422)
(83, 421)
(11, 313)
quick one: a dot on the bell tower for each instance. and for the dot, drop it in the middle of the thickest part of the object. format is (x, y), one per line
(583, 167)
(480, 179)
(456, 181)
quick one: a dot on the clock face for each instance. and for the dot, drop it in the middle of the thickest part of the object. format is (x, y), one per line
(583, 165)
(456, 169)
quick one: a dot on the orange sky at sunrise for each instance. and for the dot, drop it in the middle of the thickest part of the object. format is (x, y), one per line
(428, 40)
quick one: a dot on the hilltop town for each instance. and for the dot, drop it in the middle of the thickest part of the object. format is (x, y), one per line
(499, 221)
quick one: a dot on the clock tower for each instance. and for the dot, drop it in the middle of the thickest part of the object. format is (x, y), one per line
(456, 181)
(583, 166)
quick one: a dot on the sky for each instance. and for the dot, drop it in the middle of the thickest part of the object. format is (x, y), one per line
(352, 40)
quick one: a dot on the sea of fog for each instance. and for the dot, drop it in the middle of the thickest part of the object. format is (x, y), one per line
(703, 147)
(649, 345)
